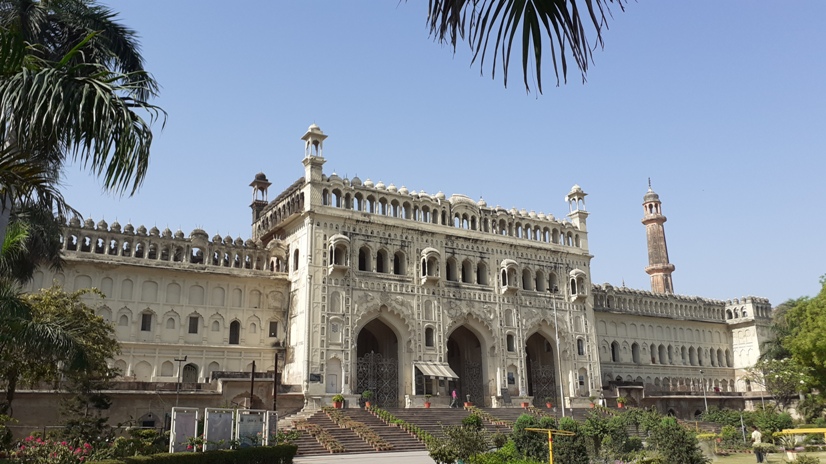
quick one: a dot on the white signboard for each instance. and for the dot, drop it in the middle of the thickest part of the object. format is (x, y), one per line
(271, 426)
(184, 427)
(218, 428)
(249, 427)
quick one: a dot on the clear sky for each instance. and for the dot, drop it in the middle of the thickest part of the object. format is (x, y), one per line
(721, 104)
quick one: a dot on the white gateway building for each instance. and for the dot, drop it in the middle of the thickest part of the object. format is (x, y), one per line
(353, 285)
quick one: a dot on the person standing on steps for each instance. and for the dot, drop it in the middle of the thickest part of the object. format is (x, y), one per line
(454, 402)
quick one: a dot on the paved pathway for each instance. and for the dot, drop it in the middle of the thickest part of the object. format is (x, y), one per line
(410, 457)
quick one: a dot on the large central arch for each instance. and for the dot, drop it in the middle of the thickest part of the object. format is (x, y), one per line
(377, 363)
(541, 369)
(464, 355)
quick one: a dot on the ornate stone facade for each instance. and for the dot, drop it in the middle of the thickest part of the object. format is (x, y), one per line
(404, 293)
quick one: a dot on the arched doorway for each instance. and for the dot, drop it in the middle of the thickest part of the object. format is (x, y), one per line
(464, 355)
(190, 374)
(377, 363)
(540, 365)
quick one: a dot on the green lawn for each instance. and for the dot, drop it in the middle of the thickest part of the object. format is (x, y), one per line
(743, 458)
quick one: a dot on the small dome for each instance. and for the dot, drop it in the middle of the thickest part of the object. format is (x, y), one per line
(356, 181)
(514, 211)
(532, 214)
(239, 241)
(115, 227)
(576, 188)
(523, 212)
(167, 233)
(129, 228)
(141, 230)
(198, 233)
(368, 183)
(74, 222)
(380, 185)
(216, 239)
(89, 224)
(392, 188)
(179, 234)
(102, 225)
(334, 176)
(541, 215)
(261, 176)
(228, 240)
(422, 193)
(346, 181)
(650, 196)
(550, 217)
(154, 232)
(481, 203)
(249, 243)
(404, 190)
(440, 195)
(314, 128)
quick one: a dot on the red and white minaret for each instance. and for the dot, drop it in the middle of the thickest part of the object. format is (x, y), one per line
(658, 266)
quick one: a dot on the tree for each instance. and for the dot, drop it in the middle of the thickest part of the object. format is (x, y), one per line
(806, 339)
(73, 352)
(785, 378)
(675, 444)
(72, 87)
(495, 23)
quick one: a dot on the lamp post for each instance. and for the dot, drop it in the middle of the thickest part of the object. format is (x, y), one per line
(178, 385)
(558, 358)
(703, 380)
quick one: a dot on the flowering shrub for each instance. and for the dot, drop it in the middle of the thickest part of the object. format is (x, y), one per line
(39, 451)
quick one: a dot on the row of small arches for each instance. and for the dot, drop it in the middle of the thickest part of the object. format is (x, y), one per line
(679, 384)
(286, 208)
(162, 252)
(440, 216)
(667, 354)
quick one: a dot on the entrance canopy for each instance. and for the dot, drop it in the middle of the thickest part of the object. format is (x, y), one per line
(435, 370)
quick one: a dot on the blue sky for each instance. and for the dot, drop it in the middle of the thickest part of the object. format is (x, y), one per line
(721, 104)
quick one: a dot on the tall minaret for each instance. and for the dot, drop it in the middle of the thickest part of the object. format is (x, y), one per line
(658, 266)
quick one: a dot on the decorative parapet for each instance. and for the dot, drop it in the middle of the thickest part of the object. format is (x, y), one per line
(458, 211)
(608, 298)
(101, 241)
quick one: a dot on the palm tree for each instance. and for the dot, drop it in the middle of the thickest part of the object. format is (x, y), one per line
(30, 241)
(498, 21)
(72, 87)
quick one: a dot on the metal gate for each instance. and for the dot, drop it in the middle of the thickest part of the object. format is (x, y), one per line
(378, 374)
(472, 382)
(543, 383)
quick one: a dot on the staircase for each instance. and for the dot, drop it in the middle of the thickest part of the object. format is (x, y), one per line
(430, 420)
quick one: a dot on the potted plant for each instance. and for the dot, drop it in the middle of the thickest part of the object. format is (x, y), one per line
(789, 443)
(427, 401)
(468, 403)
(525, 404)
(549, 402)
(592, 399)
(338, 401)
(621, 400)
(367, 394)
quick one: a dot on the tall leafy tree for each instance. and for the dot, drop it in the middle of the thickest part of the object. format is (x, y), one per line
(806, 339)
(491, 26)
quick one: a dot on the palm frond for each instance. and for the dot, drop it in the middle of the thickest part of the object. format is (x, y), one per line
(561, 21)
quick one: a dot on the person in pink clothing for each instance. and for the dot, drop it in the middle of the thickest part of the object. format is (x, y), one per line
(454, 402)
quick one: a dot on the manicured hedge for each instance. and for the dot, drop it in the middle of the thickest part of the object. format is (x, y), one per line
(282, 454)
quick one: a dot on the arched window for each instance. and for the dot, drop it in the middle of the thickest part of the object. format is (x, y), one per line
(452, 274)
(481, 273)
(510, 343)
(295, 260)
(234, 333)
(467, 271)
(399, 266)
(428, 337)
(615, 352)
(580, 347)
(364, 259)
(381, 262)
(635, 353)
